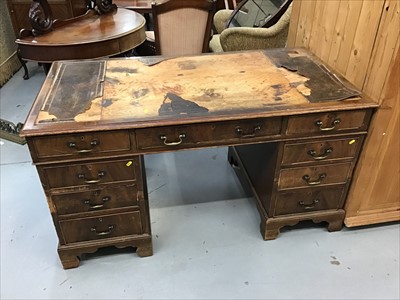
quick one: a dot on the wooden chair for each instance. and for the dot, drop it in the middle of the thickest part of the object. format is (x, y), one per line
(182, 27)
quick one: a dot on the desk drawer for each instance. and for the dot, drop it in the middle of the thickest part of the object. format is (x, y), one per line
(82, 145)
(100, 199)
(327, 122)
(324, 150)
(90, 173)
(87, 229)
(294, 202)
(313, 176)
(209, 133)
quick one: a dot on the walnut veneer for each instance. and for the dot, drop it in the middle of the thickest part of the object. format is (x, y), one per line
(292, 142)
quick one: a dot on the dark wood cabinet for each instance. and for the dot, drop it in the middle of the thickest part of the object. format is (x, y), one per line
(96, 194)
(61, 9)
(304, 179)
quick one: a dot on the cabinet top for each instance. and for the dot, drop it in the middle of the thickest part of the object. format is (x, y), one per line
(156, 91)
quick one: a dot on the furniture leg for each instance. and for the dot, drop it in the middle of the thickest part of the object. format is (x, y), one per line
(145, 250)
(46, 67)
(270, 227)
(23, 63)
(68, 260)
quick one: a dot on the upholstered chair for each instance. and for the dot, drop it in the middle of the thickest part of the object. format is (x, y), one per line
(248, 38)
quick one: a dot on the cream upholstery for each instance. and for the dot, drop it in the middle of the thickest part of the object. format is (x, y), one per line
(188, 39)
(182, 27)
(248, 38)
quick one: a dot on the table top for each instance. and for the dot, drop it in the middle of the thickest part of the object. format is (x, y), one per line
(159, 91)
(92, 29)
(88, 36)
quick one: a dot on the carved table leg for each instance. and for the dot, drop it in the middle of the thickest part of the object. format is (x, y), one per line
(23, 63)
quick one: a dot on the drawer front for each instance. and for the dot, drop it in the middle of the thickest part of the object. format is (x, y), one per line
(324, 150)
(327, 122)
(88, 229)
(308, 201)
(90, 173)
(96, 200)
(82, 145)
(313, 176)
(210, 133)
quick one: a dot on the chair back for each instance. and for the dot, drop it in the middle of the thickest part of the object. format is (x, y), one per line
(258, 14)
(183, 27)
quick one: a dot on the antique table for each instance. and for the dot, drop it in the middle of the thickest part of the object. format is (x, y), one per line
(295, 132)
(89, 36)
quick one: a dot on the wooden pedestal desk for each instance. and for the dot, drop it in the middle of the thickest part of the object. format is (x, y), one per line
(295, 131)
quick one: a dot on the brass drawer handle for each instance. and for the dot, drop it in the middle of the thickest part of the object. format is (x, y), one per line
(92, 143)
(320, 156)
(107, 232)
(181, 137)
(307, 179)
(99, 174)
(240, 132)
(334, 123)
(308, 206)
(97, 206)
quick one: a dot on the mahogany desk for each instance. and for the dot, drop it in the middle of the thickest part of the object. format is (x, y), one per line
(295, 132)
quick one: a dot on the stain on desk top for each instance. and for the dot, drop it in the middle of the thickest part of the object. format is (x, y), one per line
(158, 88)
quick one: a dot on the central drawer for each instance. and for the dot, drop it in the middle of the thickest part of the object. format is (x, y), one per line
(99, 199)
(86, 229)
(90, 173)
(207, 133)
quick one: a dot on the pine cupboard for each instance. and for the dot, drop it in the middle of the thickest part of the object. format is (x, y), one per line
(360, 40)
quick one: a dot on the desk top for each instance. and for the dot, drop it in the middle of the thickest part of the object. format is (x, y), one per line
(158, 91)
